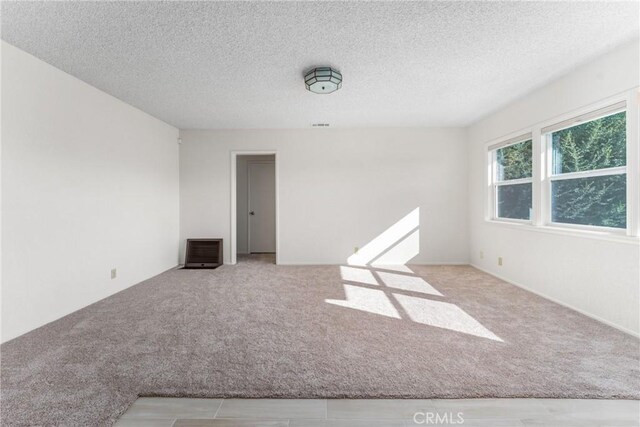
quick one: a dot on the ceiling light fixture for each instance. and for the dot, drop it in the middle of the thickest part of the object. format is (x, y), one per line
(323, 80)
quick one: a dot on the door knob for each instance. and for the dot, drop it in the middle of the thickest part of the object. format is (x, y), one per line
(252, 213)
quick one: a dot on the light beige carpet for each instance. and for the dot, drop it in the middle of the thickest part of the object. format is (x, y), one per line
(260, 330)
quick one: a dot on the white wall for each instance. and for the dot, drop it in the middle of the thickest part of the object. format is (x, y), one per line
(338, 188)
(242, 197)
(600, 278)
(88, 184)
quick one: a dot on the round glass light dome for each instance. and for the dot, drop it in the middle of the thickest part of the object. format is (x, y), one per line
(323, 80)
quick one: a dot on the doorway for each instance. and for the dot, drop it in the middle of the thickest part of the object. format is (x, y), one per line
(255, 189)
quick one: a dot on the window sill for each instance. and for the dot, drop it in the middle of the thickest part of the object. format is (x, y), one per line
(558, 230)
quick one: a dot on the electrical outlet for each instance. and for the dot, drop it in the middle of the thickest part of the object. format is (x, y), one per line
(114, 273)
(355, 249)
(481, 254)
(499, 260)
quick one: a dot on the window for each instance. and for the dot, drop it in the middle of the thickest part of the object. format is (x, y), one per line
(512, 180)
(587, 170)
(577, 174)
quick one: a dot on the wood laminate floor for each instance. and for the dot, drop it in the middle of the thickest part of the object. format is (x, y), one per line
(184, 412)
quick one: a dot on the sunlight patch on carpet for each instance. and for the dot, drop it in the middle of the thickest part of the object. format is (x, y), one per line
(443, 315)
(365, 299)
(359, 275)
(407, 283)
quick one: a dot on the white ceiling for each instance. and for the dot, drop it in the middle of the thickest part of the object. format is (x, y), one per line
(241, 64)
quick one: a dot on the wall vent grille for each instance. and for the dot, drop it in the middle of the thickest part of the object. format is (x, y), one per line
(203, 253)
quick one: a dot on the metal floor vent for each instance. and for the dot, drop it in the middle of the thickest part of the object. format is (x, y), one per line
(203, 253)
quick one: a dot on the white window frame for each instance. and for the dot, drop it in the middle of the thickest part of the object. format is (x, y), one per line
(495, 183)
(541, 187)
(549, 178)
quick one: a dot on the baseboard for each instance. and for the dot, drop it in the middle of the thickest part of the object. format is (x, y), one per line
(564, 304)
(346, 264)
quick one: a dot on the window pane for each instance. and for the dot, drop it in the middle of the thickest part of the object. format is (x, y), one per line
(514, 161)
(599, 200)
(597, 144)
(514, 201)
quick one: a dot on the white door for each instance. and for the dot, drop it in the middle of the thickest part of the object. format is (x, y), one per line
(262, 207)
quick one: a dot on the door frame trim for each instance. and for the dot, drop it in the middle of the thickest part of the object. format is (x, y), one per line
(234, 192)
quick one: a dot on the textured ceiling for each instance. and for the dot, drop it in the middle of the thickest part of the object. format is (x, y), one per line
(241, 64)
